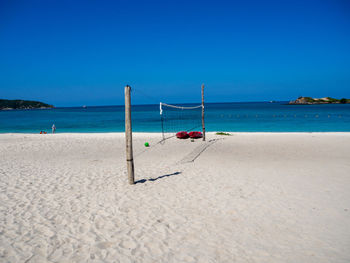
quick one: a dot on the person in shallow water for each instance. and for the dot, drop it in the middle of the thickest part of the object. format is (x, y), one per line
(53, 128)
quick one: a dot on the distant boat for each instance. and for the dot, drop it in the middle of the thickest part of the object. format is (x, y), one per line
(84, 106)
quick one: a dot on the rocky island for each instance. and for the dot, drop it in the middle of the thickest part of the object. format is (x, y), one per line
(326, 100)
(23, 105)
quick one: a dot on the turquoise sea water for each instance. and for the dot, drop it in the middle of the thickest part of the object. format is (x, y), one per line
(233, 117)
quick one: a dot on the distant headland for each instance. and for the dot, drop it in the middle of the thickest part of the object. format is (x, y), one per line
(326, 100)
(23, 105)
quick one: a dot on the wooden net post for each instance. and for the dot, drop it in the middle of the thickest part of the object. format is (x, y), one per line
(128, 136)
(203, 126)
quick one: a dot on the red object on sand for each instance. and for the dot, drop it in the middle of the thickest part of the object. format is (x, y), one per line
(195, 134)
(182, 135)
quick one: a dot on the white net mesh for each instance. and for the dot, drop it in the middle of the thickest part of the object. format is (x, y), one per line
(177, 118)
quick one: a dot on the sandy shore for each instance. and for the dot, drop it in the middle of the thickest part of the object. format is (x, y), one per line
(250, 197)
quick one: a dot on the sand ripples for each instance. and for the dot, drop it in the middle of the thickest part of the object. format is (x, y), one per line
(66, 199)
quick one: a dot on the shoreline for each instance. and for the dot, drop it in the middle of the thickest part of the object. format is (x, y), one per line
(159, 133)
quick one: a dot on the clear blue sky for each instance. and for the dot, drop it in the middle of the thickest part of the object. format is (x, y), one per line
(84, 52)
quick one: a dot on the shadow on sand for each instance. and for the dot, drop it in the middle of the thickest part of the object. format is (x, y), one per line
(155, 179)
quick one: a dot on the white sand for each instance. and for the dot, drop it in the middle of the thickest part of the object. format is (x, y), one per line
(246, 198)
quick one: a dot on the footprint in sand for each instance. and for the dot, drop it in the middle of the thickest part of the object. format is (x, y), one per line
(104, 245)
(99, 222)
(128, 244)
(84, 228)
(56, 255)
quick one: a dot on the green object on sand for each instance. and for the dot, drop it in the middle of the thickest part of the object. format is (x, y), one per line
(146, 144)
(223, 133)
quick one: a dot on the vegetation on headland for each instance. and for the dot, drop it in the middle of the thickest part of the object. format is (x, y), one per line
(23, 105)
(326, 100)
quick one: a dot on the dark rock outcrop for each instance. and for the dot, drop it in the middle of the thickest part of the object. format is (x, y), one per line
(326, 100)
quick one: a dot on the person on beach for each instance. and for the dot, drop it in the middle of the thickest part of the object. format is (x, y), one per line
(53, 128)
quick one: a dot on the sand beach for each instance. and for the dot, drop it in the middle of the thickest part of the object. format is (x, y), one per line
(249, 197)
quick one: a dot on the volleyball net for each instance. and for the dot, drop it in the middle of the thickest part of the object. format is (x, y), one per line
(175, 118)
